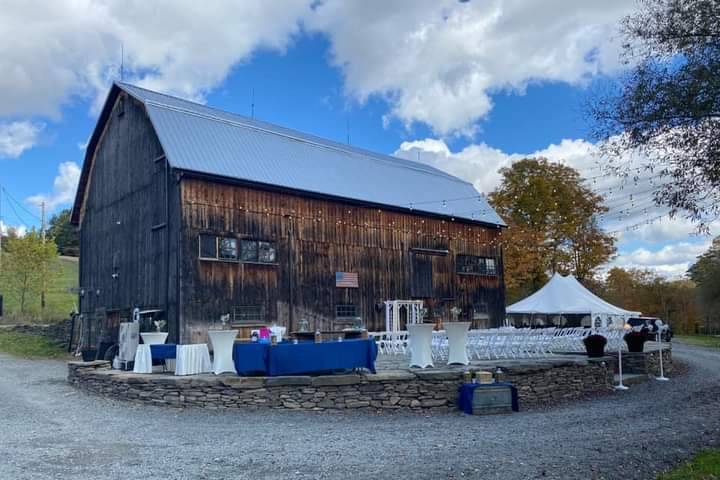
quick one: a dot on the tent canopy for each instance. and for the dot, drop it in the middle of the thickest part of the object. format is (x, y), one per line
(565, 295)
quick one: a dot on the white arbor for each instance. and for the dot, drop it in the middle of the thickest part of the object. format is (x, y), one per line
(393, 309)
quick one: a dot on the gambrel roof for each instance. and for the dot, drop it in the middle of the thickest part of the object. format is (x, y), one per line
(200, 139)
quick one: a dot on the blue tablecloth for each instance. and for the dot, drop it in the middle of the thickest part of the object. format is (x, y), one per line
(251, 358)
(288, 358)
(468, 389)
(163, 351)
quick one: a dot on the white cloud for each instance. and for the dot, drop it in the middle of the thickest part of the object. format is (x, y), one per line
(629, 200)
(64, 187)
(631, 205)
(56, 50)
(17, 137)
(439, 61)
(436, 61)
(20, 230)
(670, 261)
(480, 163)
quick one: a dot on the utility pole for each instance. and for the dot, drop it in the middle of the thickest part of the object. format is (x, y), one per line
(42, 233)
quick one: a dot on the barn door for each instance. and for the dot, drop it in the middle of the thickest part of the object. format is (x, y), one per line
(422, 276)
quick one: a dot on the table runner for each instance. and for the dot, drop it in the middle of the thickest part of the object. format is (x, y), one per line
(163, 351)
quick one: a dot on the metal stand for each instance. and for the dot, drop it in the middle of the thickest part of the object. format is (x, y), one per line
(662, 377)
(620, 385)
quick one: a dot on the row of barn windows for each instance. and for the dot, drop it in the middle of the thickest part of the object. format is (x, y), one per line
(214, 247)
(254, 314)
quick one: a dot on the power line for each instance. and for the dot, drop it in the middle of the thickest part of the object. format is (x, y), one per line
(19, 204)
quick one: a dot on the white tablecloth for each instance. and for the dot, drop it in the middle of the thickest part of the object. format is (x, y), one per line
(143, 359)
(222, 342)
(153, 338)
(192, 359)
(420, 338)
(457, 333)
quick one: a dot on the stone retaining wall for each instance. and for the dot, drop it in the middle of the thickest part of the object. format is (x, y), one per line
(59, 332)
(648, 363)
(539, 384)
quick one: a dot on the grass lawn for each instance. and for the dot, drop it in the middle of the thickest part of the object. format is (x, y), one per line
(704, 466)
(58, 301)
(701, 340)
(29, 346)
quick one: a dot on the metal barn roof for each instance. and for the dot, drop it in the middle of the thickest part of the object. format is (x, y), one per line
(201, 139)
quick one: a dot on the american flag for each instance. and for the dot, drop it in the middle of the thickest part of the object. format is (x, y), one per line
(346, 280)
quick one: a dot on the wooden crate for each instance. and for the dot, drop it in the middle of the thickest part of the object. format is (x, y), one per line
(492, 400)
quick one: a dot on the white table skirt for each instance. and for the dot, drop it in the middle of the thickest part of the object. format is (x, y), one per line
(457, 334)
(143, 359)
(192, 359)
(222, 342)
(420, 338)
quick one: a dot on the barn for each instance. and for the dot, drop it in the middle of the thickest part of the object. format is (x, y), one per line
(187, 213)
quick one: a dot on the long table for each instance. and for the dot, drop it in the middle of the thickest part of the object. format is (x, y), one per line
(289, 358)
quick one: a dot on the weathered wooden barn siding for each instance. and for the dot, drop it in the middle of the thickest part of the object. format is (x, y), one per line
(315, 238)
(123, 232)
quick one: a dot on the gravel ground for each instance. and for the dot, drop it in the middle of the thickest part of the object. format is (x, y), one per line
(48, 430)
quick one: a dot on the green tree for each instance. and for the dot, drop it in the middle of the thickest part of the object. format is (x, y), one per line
(552, 224)
(673, 301)
(706, 274)
(667, 107)
(65, 234)
(27, 263)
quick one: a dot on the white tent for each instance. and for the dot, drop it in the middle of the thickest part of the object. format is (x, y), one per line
(565, 295)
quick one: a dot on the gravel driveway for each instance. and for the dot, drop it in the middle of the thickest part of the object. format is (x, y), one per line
(49, 430)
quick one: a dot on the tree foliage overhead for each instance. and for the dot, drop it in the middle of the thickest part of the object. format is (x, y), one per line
(552, 224)
(65, 234)
(667, 107)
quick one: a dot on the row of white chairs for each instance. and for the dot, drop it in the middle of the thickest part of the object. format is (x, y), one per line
(505, 342)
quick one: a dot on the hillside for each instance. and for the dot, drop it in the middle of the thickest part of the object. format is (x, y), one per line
(59, 301)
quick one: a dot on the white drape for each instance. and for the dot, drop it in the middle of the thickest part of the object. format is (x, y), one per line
(192, 359)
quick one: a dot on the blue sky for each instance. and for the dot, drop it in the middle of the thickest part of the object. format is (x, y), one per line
(468, 87)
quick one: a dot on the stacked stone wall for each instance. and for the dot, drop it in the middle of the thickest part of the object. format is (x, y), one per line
(539, 384)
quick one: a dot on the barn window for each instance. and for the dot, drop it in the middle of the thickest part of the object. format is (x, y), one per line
(266, 252)
(257, 251)
(247, 315)
(228, 248)
(208, 246)
(346, 311)
(473, 265)
(490, 267)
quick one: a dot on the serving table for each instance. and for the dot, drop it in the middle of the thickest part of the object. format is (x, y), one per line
(288, 358)
(420, 339)
(457, 334)
(189, 359)
(222, 342)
